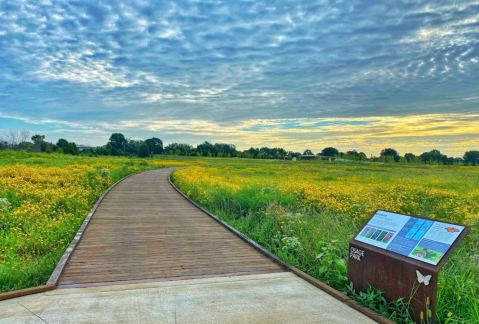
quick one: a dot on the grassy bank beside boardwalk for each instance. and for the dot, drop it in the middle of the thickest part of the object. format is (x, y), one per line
(306, 212)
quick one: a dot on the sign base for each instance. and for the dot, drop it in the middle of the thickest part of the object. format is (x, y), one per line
(396, 276)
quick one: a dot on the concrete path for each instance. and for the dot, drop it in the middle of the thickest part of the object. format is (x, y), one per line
(150, 256)
(263, 298)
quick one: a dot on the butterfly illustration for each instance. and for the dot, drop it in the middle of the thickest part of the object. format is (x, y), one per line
(452, 229)
(422, 278)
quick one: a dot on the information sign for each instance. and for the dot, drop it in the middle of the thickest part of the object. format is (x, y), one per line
(418, 238)
(401, 256)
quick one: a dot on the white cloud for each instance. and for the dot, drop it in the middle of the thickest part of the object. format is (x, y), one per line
(169, 33)
(78, 67)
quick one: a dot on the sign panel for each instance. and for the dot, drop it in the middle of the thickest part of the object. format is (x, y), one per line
(417, 238)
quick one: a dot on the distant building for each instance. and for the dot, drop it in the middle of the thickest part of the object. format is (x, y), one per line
(84, 147)
(308, 157)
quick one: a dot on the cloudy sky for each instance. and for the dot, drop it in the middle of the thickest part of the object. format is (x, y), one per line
(296, 74)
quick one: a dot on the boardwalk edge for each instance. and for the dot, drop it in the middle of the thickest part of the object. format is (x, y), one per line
(53, 280)
(315, 282)
(26, 291)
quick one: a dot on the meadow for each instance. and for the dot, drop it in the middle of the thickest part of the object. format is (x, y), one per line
(304, 212)
(44, 198)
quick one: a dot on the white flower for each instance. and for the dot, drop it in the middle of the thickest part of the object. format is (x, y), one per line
(103, 172)
(4, 203)
(291, 243)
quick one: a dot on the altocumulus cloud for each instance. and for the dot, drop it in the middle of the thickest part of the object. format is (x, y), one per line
(289, 73)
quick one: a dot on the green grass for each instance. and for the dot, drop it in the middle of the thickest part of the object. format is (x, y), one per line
(253, 197)
(307, 227)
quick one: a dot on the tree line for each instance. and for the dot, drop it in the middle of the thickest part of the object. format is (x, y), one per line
(36, 143)
(119, 145)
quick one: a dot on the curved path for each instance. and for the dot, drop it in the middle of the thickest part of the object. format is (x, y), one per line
(149, 255)
(144, 229)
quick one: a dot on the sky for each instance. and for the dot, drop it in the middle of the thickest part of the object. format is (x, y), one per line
(351, 74)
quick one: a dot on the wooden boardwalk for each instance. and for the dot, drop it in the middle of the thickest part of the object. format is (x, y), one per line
(144, 230)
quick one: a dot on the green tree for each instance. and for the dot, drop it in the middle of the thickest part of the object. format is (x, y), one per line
(471, 157)
(67, 147)
(205, 149)
(144, 151)
(224, 150)
(308, 152)
(433, 156)
(155, 145)
(132, 147)
(73, 148)
(118, 143)
(329, 151)
(38, 143)
(179, 149)
(389, 154)
(356, 156)
(38, 138)
(410, 157)
(251, 153)
(63, 145)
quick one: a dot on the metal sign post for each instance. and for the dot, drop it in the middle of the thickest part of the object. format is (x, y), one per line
(401, 256)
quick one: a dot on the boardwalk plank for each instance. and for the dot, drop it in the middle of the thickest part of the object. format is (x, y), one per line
(144, 230)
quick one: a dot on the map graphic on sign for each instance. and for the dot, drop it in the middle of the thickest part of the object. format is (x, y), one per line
(418, 238)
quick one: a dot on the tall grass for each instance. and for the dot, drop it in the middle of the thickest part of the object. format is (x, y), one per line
(44, 198)
(315, 239)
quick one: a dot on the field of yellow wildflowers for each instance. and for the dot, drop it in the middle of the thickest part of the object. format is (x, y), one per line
(44, 198)
(306, 212)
